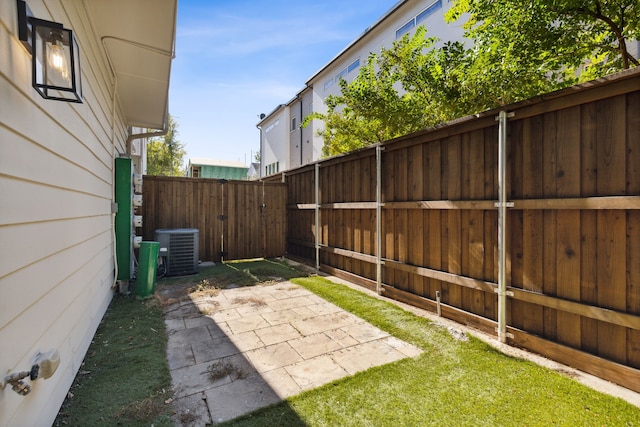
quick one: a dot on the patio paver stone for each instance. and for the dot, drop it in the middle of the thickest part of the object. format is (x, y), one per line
(246, 348)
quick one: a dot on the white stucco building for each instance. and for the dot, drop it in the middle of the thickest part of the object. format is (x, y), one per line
(283, 143)
(57, 178)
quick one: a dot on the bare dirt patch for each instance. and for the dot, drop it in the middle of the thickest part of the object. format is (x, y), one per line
(253, 301)
(220, 369)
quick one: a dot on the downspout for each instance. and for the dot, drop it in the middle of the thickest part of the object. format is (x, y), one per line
(114, 208)
(502, 206)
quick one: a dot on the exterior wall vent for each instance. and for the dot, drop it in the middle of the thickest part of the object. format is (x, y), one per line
(179, 247)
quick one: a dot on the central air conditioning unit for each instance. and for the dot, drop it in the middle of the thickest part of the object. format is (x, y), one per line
(179, 249)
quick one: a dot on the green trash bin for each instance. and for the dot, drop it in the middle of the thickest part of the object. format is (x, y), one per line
(147, 265)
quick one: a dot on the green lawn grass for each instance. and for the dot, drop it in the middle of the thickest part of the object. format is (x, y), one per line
(125, 378)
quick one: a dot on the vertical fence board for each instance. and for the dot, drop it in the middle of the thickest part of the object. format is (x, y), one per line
(477, 243)
(466, 294)
(568, 256)
(490, 137)
(415, 231)
(550, 220)
(532, 222)
(348, 191)
(400, 183)
(588, 222)
(611, 247)
(388, 241)
(454, 237)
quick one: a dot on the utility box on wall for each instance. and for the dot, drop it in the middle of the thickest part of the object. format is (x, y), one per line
(127, 183)
(124, 217)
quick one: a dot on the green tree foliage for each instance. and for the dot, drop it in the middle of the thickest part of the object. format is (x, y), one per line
(579, 35)
(526, 48)
(165, 154)
(517, 49)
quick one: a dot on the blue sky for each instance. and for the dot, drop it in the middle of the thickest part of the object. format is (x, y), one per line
(236, 59)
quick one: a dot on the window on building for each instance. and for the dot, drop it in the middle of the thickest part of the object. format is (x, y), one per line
(195, 171)
(406, 28)
(273, 168)
(428, 11)
(355, 64)
(341, 74)
(328, 84)
(272, 125)
(293, 124)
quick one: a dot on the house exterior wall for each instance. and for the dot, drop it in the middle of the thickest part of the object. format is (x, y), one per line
(274, 130)
(56, 242)
(301, 139)
(347, 65)
(223, 172)
(311, 141)
(295, 133)
(254, 171)
(216, 169)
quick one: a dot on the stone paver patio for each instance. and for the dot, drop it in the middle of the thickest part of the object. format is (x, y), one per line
(246, 348)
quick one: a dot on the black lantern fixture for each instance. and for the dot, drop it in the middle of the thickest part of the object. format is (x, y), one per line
(55, 62)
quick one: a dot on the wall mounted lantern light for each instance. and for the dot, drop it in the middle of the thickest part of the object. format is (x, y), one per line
(55, 62)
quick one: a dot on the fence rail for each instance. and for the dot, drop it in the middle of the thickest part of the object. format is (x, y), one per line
(429, 203)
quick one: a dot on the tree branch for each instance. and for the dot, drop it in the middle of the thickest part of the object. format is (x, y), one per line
(615, 29)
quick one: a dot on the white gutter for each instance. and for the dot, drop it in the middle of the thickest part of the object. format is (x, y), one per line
(161, 132)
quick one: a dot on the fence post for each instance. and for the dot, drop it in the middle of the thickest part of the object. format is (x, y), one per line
(317, 216)
(379, 204)
(502, 225)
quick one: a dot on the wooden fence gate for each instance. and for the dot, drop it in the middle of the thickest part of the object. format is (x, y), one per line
(236, 219)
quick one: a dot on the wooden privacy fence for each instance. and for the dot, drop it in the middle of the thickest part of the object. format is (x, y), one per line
(417, 219)
(235, 219)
